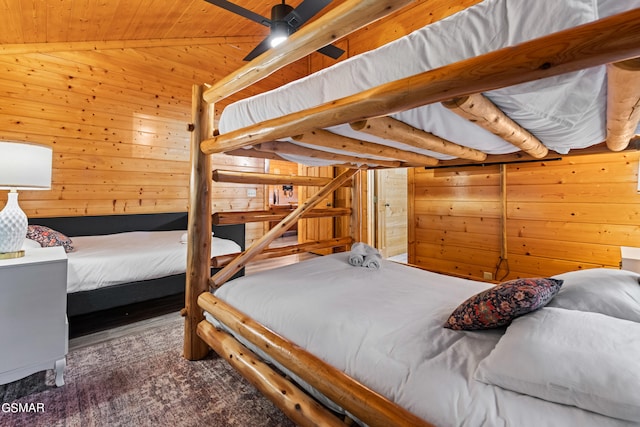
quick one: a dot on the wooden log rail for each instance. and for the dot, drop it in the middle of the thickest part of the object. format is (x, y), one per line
(220, 175)
(367, 405)
(274, 214)
(324, 138)
(335, 24)
(259, 245)
(222, 260)
(335, 158)
(395, 130)
(297, 405)
(612, 39)
(480, 110)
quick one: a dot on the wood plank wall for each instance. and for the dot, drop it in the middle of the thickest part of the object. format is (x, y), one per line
(117, 121)
(561, 216)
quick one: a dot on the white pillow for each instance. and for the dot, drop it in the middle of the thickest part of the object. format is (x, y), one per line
(185, 237)
(612, 292)
(572, 357)
(30, 244)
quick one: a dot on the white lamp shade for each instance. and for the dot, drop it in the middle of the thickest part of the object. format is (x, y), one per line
(25, 166)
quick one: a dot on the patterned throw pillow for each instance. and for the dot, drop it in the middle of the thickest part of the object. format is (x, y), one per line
(48, 237)
(499, 305)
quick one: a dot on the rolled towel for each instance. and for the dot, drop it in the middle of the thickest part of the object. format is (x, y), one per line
(373, 261)
(360, 248)
(356, 260)
(357, 254)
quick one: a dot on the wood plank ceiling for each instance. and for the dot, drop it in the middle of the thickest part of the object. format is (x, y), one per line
(206, 37)
(70, 21)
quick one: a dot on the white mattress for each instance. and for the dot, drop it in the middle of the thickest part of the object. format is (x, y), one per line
(564, 112)
(385, 328)
(99, 261)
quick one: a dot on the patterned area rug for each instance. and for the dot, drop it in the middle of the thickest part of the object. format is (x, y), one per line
(140, 380)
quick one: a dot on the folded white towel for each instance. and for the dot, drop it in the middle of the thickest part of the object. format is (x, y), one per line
(373, 261)
(363, 255)
(356, 259)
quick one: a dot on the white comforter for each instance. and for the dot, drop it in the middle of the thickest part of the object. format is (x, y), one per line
(99, 261)
(385, 328)
(564, 112)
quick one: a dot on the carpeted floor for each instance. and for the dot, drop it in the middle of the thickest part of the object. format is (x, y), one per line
(140, 380)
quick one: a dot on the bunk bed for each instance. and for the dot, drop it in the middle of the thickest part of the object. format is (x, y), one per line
(258, 323)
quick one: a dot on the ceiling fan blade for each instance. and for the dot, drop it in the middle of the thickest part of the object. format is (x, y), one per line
(263, 46)
(305, 11)
(331, 51)
(239, 10)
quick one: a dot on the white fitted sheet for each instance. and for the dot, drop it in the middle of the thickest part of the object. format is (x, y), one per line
(385, 329)
(564, 112)
(99, 261)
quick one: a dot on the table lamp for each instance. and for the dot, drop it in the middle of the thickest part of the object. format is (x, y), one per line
(23, 166)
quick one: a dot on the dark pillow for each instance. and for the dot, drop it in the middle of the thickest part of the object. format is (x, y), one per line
(48, 237)
(499, 305)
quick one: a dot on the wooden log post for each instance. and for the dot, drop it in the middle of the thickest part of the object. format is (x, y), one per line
(240, 262)
(623, 103)
(395, 130)
(367, 405)
(480, 110)
(199, 228)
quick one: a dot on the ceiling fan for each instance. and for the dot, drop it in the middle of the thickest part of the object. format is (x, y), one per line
(285, 20)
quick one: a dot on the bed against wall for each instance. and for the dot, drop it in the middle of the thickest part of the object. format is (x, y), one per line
(240, 325)
(81, 300)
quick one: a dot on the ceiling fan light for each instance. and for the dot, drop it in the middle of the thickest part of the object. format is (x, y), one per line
(275, 41)
(280, 29)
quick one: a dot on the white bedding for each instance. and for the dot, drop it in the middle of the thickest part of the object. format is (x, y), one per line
(564, 112)
(390, 322)
(99, 261)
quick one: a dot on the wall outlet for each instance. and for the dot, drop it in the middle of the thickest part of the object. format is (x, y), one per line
(487, 275)
(251, 192)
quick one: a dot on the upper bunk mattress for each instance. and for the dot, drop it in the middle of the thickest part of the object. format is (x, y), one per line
(564, 112)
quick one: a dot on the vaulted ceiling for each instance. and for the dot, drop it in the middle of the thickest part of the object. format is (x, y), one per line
(192, 38)
(74, 21)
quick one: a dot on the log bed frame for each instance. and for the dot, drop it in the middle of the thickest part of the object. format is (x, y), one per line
(614, 41)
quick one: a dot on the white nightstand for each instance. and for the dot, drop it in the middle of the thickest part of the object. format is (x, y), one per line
(630, 258)
(33, 314)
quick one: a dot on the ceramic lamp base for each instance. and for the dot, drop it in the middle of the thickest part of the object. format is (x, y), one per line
(13, 225)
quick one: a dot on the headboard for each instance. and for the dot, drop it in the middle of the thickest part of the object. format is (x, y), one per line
(110, 224)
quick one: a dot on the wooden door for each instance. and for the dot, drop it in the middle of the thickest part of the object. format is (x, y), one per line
(391, 211)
